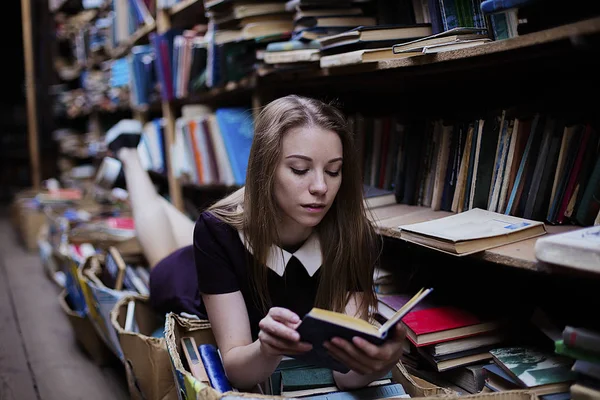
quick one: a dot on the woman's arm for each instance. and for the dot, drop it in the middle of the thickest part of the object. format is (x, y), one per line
(367, 361)
(248, 363)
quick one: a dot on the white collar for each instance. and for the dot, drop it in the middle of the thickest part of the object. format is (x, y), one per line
(309, 255)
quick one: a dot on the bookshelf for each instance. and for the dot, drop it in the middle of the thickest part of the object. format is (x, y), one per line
(552, 47)
(518, 255)
(124, 48)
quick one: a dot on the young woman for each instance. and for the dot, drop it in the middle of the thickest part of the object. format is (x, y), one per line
(296, 236)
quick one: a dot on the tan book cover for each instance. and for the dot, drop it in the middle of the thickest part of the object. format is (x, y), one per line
(471, 231)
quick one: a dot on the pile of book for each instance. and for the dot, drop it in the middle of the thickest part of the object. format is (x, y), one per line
(446, 343)
(583, 346)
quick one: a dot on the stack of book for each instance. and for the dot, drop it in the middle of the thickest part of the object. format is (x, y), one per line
(583, 346)
(238, 33)
(294, 378)
(446, 342)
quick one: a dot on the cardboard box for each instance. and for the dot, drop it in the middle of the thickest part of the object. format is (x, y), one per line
(30, 221)
(85, 334)
(147, 360)
(100, 302)
(190, 389)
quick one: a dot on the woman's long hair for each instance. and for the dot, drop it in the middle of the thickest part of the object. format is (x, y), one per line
(349, 244)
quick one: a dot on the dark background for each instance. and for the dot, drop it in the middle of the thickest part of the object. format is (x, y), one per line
(14, 153)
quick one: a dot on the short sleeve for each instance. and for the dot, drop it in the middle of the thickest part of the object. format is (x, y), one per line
(213, 240)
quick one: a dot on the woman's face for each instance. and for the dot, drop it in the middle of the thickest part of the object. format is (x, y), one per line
(308, 176)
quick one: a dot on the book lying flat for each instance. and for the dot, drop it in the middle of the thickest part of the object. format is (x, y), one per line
(471, 231)
(542, 372)
(321, 325)
(579, 249)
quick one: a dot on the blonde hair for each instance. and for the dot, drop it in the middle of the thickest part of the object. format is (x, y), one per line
(349, 243)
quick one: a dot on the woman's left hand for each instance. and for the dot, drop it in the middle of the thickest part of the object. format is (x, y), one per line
(366, 358)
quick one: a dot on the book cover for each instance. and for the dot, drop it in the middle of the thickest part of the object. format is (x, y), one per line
(531, 367)
(214, 368)
(236, 126)
(579, 248)
(582, 338)
(439, 324)
(471, 231)
(321, 325)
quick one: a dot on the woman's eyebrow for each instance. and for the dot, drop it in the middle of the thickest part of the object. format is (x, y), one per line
(303, 157)
(300, 156)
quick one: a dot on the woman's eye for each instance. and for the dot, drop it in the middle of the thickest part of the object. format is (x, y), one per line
(333, 173)
(299, 171)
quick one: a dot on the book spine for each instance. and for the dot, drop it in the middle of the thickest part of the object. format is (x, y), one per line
(580, 339)
(214, 368)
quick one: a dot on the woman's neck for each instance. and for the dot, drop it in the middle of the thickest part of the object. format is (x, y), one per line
(292, 235)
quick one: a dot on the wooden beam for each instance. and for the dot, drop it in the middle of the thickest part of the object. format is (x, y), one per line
(32, 117)
(163, 24)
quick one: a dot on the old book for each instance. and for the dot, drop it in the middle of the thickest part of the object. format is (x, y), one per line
(471, 231)
(321, 325)
(578, 249)
(542, 372)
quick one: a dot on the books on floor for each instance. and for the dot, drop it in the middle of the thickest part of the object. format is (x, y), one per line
(524, 367)
(471, 231)
(578, 249)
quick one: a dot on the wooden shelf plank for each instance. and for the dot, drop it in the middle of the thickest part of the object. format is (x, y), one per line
(125, 47)
(564, 32)
(517, 255)
(182, 6)
(231, 89)
(557, 34)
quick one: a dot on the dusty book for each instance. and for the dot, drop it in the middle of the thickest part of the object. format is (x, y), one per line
(471, 231)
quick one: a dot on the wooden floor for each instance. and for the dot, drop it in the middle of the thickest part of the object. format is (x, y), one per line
(39, 358)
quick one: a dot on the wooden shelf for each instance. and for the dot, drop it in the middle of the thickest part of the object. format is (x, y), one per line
(184, 5)
(535, 39)
(124, 48)
(556, 41)
(517, 255)
(231, 90)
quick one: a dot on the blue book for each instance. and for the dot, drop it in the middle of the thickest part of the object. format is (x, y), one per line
(214, 368)
(237, 129)
(495, 6)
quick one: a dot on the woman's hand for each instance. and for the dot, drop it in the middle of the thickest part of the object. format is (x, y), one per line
(366, 358)
(278, 334)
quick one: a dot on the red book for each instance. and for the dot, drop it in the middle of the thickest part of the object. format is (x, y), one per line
(120, 223)
(442, 324)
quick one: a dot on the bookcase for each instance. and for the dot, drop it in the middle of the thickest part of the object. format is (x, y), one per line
(548, 71)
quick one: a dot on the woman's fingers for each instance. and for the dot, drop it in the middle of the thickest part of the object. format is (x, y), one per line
(284, 315)
(344, 358)
(279, 330)
(283, 346)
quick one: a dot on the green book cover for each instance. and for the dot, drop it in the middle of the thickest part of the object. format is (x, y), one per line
(561, 348)
(532, 367)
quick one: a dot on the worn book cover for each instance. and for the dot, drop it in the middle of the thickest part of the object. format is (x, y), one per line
(471, 231)
(532, 368)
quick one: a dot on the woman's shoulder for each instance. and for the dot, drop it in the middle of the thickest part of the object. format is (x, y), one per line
(209, 223)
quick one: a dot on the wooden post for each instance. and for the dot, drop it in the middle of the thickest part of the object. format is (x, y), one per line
(32, 121)
(163, 24)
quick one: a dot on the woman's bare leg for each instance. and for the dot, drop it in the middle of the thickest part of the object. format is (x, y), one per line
(160, 227)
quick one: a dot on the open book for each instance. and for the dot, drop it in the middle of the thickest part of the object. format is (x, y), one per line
(321, 325)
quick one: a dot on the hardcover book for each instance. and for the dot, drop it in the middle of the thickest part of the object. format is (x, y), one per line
(321, 325)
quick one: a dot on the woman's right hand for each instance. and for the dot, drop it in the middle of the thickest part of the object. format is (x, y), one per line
(278, 334)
